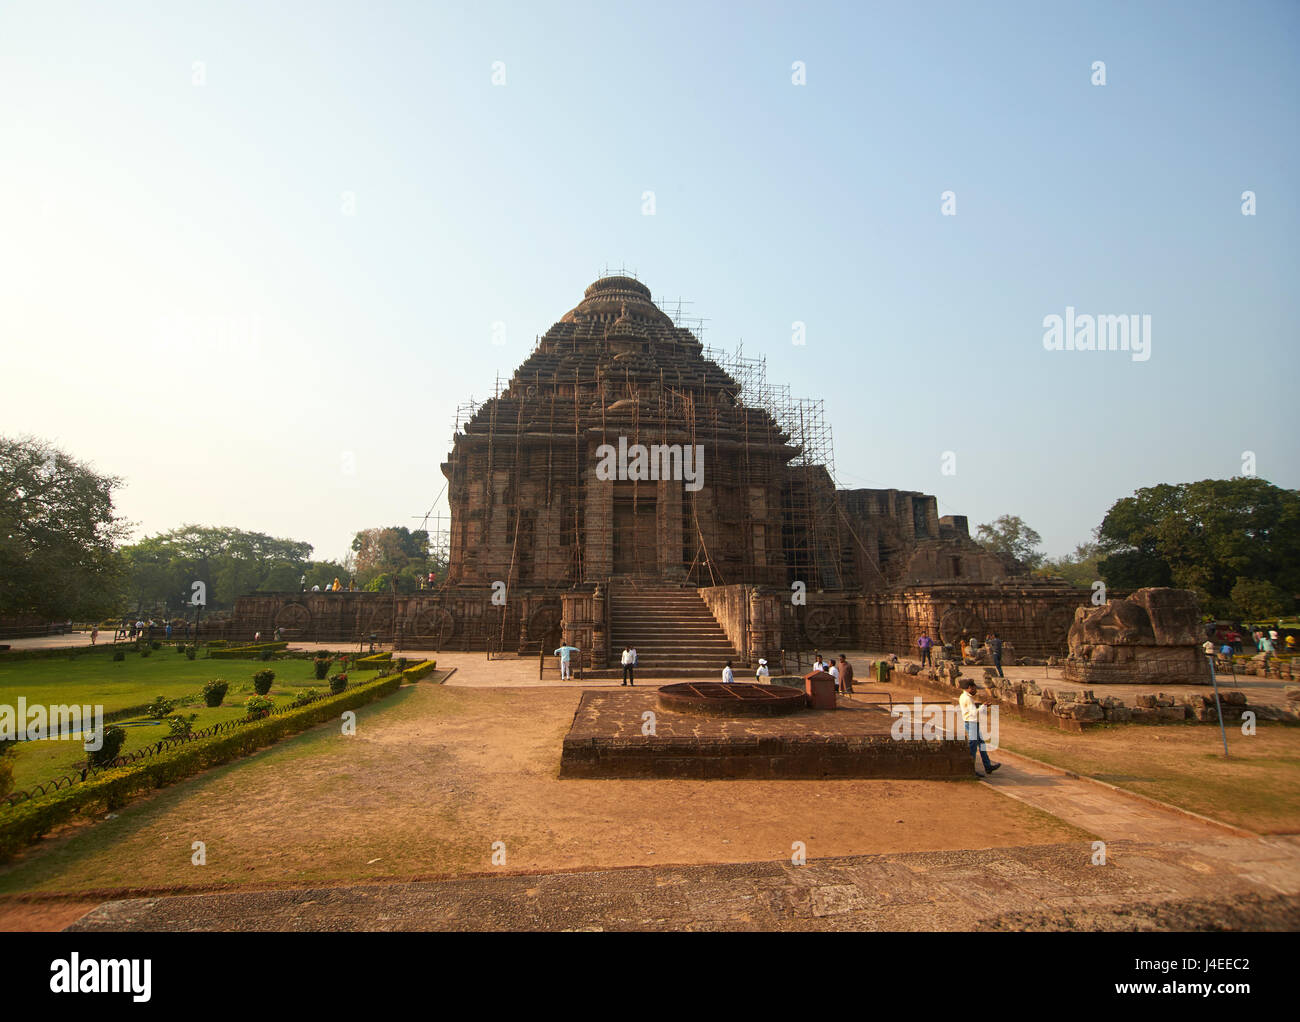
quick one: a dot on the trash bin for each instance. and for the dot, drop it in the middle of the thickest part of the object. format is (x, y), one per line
(820, 688)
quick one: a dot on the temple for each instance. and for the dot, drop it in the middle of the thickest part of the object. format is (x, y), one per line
(629, 486)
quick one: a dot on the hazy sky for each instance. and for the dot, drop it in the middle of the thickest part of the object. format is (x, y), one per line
(251, 253)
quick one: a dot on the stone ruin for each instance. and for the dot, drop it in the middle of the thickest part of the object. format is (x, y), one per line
(572, 514)
(1154, 635)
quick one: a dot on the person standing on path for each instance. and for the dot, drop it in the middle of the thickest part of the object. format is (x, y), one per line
(564, 652)
(995, 647)
(925, 643)
(834, 672)
(94, 634)
(846, 676)
(762, 672)
(627, 664)
(631, 678)
(728, 675)
(970, 718)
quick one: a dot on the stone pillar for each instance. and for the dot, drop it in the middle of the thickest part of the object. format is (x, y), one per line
(598, 558)
(668, 529)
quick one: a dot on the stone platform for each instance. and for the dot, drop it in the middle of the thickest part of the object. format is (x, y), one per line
(606, 741)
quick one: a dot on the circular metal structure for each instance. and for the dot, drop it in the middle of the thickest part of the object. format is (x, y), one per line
(745, 699)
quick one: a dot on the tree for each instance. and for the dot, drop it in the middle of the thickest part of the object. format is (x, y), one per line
(396, 552)
(1009, 536)
(1259, 601)
(230, 562)
(1079, 568)
(1205, 536)
(58, 534)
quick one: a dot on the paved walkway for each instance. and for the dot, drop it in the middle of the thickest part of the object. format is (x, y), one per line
(1231, 883)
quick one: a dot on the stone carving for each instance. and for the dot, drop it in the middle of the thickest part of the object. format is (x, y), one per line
(1153, 635)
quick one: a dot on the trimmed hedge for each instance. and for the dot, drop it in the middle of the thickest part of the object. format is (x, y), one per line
(10, 656)
(418, 671)
(245, 652)
(376, 661)
(25, 822)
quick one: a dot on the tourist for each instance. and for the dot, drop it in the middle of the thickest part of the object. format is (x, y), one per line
(762, 672)
(995, 647)
(632, 676)
(279, 633)
(1208, 647)
(337, 587)
(627, 664)
(94, 634)
(728, 675)
(1266, 647)
(819, 665)
(846, 676)
(315, 588)
(971, 721)
(834, 672)
(564, 652)
(925, 643)
(169, 629)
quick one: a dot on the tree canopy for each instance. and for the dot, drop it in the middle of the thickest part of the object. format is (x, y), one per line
(393, 557)
(58, 534)
(162, 569)
(1236, 542)
(1010, 537)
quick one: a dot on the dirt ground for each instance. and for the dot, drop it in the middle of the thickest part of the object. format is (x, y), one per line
(436, 775)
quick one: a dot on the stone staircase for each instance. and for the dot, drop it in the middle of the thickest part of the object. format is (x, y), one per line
(672, 628)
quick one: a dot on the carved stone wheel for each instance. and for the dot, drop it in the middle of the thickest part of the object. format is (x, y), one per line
(294, 618)
(958, 623)
(822, 627)
(433, 625)
(543, 625)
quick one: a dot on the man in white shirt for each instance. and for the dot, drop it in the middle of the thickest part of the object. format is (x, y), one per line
(627, 664)
(971, 722)
(728, 675)
(818, 664)
(834, 672)
(762, 672)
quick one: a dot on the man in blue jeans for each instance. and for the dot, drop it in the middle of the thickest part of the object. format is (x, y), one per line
(995, 647)
(971, 721)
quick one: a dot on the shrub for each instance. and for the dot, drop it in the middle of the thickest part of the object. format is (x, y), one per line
(258, 706)
(262, 681)
(155, 644)
(304, 697)
(338, 682)
(160, 707)
(119, 654)
(267, 654)
(190, 652)
(145, 651)
(180, 726)
(180, 647)
(322, 667)
(215, 691)
(114, 736)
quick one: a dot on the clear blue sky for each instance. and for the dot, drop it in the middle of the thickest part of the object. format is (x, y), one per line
(231, 281)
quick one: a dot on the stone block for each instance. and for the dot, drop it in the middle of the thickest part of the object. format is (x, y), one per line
(1119, 714)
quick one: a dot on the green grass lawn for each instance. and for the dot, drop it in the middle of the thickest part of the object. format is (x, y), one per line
(96, 680)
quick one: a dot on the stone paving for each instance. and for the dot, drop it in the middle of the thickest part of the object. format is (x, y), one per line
(1234, 882)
